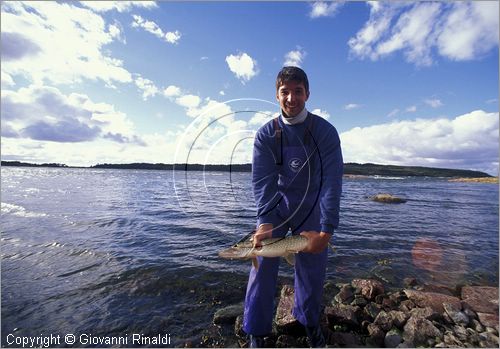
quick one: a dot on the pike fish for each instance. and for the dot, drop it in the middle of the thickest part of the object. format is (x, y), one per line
(285, 247)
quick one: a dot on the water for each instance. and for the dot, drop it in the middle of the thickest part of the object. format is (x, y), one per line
(117, 252)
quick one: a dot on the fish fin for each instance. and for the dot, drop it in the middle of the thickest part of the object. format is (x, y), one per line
(290, 258)
(255, 263)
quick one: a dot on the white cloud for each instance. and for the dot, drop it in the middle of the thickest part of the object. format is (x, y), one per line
(411, 109)
(323, 113)
(469, 141)
(470, 30)
(243, 66)
(433, 102)
(393, 113)
(188, 101)
(222, 93)
(351, 106)
(457, 31)
(153, 28)
(323, 8)
(7, 80)
(147, 87)
(120, 6)
(43, 113)
(32, 32)
(294, 58)
(260, 118)
(172, 91)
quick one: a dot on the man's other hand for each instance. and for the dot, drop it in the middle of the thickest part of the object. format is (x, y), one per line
(316, 242)
(264, 231)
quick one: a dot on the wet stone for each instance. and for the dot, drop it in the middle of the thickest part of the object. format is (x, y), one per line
(409, 282)
(488, 320)
(419, 330)
(481, 299)
(383, 321)
(426, 313)
(371, 310)
(228, 314)
(370, 288)
(343, 314)
(393, 338)
(238, 328)
(433, 300)
(460, 332)
(457, 317)
(406, 306)
(359, 301)
(476, 325)
(376, 335)
(345, 295)
(399, 318)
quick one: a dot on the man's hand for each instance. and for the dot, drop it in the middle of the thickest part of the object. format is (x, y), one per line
(316, 242)
(265, 231)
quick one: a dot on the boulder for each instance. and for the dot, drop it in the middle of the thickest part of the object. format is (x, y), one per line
(488, 340)
(481, 299)
(488, 320)
(383, 321)
(369, 288)
(393, 338)
(387, 198)
(345, 340)
(399, 318)
(371, 310)
(457, 317)
(376, 335)
(284, 319)
(238, 328)
(345, 295)
(343, 314)
(228, 314)
(420, 331)
(425, 313)
(433, 300)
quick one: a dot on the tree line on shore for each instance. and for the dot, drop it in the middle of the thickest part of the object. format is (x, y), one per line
(354, 169)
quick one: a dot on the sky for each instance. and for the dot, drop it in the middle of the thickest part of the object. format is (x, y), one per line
(404, 83)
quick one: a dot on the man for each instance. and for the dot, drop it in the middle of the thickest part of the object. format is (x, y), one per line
(297, 181)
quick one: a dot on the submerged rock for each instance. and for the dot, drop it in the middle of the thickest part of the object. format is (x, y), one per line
(433, 300)
(388, 198)
(481, 299)
(228, 314)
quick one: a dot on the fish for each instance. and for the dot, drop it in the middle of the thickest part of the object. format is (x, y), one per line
(285, 247)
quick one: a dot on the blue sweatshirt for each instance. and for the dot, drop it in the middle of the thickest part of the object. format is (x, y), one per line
(276, 186)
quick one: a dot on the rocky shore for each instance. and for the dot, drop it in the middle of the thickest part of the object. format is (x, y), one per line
(363, 314)
(493, 180)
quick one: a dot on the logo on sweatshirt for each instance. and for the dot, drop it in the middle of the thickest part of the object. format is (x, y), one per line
(295, 164)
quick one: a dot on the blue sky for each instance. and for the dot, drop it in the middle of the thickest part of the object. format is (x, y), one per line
(405, 83)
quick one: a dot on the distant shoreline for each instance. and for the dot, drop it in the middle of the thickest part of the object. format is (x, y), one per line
(351, 170)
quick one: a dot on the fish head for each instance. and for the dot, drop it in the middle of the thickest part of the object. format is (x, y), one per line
(233, 253)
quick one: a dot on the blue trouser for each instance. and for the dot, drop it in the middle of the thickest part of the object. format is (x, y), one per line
(309, 280)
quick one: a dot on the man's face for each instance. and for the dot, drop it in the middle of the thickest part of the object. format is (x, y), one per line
(292, 97)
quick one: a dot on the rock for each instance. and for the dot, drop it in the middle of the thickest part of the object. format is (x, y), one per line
(433, 300)
(425, 313)
(376, 335)
(371, 310)
(472, 336)
(345, 340)
(387, 198)
(399, 318)
(457, 317)
(383, 321)
(406, 306)
(238, 328)
(481, 299)
(492, 330)
(345, 295)
(488, 320)
(343, 314)
(451, 341)
(409, 282)
(476, 325)
(287, 341)
(284, 319)
(228, 314)
(393, 338)
(460, 332)
(470, 313)
(369, 288)
(359, 301)
(419, 330)
(488, 340)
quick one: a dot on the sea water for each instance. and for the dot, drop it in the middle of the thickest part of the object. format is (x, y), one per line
(103, 254)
